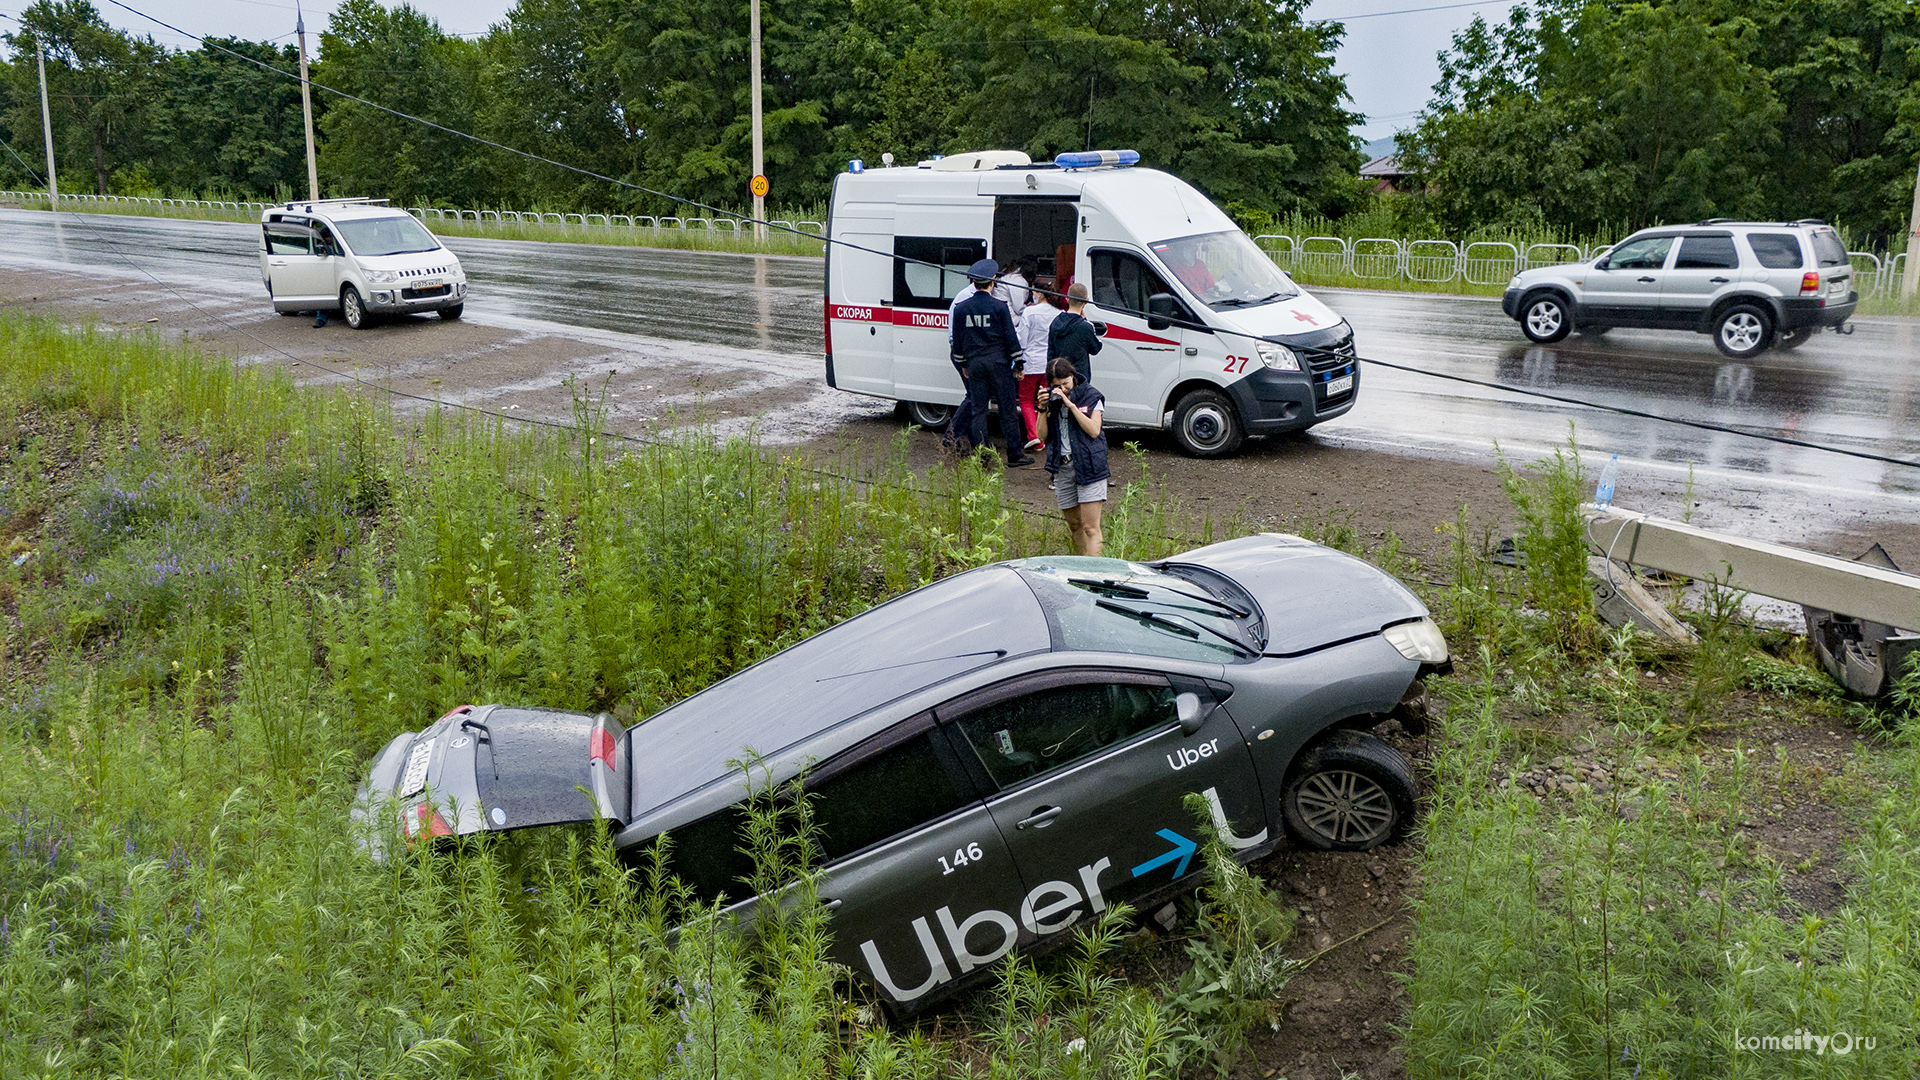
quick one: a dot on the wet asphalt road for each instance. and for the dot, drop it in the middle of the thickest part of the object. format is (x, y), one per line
(1860, 392)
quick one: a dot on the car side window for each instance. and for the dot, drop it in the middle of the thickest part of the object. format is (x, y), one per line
(324, 243)
(288, 242)
(886, 792)
(1707, 253)
(1025, 736)
(1124, 282)
(1647, 254)
(1776, 251)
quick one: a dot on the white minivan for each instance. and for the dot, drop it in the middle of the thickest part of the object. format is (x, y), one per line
(1204, 336)
(359, 258)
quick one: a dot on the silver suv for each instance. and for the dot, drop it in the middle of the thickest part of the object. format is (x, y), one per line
(1749, 284)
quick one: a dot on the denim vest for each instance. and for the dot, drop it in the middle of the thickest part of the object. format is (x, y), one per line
(1089, 451)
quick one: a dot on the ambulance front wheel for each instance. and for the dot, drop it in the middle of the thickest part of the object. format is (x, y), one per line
(1206, 425)
(928, 415)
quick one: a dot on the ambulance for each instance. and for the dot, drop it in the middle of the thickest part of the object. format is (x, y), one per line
(1203, 336)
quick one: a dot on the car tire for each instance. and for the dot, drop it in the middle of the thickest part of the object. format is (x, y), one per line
(1743, 331)
(927, 415)
(1349, 792)
(353, 310)
(1793, 339)
(452, 312)
(1544, 318)
(1206, 425)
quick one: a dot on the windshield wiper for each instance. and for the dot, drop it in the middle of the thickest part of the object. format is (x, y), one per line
(1189, 628)
(1133, 591)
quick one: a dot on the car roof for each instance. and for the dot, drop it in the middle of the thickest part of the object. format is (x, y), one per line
(338, 211)
(927, 636)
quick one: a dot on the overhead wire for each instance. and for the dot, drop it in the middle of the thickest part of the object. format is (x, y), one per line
(831, 241)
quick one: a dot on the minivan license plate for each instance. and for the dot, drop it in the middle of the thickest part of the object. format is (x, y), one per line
(1339, 386)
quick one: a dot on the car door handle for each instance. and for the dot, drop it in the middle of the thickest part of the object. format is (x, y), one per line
(1040, 819)
(1718, 280)
(832, 904)
(1647, 279)
(276, 262)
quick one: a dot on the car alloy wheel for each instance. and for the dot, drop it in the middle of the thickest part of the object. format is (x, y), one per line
(1345, 807)
(1744, 330)
(1545, 319)
(1349, 792)
(352, 310)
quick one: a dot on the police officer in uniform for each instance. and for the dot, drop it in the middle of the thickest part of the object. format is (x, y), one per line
(984, 339)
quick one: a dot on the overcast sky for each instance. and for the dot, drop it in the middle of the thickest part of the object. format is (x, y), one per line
(1388, 59)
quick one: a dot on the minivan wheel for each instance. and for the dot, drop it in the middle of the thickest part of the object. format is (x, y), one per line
(1793, 339)
(1743, 330)
(1544, 318)
(1206, 425)
(352, 311)
(1349, 792)
(928, 415)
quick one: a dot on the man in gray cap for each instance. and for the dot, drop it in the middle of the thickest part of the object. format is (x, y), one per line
(983, 337)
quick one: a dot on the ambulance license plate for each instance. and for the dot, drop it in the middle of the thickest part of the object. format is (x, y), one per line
(1339, 386)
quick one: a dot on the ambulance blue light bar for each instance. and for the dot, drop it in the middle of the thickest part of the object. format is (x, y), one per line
(1090, 158)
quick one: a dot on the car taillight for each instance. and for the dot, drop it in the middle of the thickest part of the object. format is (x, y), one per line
(424, 818)
(1810, 283)
(601, 746)
(826, 323)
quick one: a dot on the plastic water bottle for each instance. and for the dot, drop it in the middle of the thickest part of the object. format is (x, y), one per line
(1603, 491)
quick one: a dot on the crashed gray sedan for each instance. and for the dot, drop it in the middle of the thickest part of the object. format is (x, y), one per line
(994, 757)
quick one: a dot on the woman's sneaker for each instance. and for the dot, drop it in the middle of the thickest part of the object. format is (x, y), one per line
(1034, 444)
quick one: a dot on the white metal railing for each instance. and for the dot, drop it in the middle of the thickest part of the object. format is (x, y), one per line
(1374, 258)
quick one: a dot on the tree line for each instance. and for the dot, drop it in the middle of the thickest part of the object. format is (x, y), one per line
(1239, 96)
(1588, 116)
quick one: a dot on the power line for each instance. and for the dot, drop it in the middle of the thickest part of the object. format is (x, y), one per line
(736, 216)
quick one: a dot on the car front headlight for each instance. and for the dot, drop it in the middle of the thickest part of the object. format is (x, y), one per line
(1513, 282)
(1418, 640)
(1276, 356)
(382, 277)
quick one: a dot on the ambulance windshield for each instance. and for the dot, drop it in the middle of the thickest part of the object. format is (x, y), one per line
(1225, 270)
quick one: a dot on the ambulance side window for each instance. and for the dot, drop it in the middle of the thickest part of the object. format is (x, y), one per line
(919, 285)
(1122, 282)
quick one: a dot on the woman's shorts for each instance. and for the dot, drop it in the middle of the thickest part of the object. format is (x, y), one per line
(1068, 494)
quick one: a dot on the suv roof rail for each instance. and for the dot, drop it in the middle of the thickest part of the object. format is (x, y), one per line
(362, 199)
(1714, 221)
(1809, 221)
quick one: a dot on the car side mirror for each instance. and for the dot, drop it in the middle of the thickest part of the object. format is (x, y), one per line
(1191, 712)
(1100, 329)
(1605, 263)
(1162, 309)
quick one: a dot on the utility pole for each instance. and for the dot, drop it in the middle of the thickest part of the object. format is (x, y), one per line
(46, 127)
(759, 188)
(1910, 281)
(306, 104)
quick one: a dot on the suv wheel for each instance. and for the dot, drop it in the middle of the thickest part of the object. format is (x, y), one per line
(1544, 318)
(1793, 339)
(353, 311)
(1206, 425)
(1743, 330)
(1349, 792)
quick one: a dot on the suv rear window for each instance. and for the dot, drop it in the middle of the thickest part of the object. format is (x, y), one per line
(1776, 251)
(1828, 250)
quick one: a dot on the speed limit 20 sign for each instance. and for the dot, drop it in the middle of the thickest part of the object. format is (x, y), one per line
(759, 187)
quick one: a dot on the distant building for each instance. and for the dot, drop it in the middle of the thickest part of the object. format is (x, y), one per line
(1386, 173)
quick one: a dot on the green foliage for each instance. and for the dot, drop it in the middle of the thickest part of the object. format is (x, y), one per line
(1552, 540)
(1582, 115)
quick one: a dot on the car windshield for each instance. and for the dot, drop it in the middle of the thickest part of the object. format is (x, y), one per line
(386, 236)
(1111, 605)
(1225, 270)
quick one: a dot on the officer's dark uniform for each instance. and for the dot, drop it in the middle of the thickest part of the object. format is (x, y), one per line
(983, 338)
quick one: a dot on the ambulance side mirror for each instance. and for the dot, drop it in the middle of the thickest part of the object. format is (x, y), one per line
(1162, 309)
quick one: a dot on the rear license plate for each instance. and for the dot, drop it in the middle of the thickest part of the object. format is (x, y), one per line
(1339, 386)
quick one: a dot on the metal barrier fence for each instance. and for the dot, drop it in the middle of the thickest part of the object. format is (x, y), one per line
(1483, 262)
(573, 224)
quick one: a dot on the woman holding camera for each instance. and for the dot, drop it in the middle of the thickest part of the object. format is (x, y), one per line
(1069, 420)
